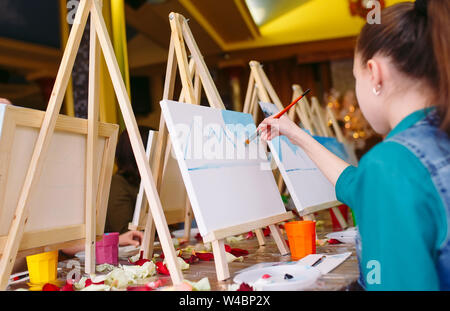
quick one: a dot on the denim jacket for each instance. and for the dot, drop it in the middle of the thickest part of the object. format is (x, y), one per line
(432, 147)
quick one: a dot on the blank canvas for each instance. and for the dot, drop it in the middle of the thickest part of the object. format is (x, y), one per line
(226, 184)
(307, 185)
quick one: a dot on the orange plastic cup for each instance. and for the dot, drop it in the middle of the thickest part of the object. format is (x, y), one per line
(301, 237)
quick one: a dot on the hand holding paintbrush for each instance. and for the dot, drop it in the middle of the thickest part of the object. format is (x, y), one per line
(277, 116)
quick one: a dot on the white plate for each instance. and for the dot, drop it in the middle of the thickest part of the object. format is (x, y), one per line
(303, 276)
(180, 233)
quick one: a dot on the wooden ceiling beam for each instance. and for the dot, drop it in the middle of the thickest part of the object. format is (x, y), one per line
(305, 52)
(27, 57)
(150, 24)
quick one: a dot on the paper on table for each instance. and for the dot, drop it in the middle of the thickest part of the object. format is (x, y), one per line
(346, 236)
(325, 266)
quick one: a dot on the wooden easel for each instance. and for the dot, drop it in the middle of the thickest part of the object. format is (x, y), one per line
(260, 88)
(180, 38)
(98, 31)
(315, 120)
(146, 220)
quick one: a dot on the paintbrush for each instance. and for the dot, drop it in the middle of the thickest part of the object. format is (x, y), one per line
(318, 261)
(278, 115)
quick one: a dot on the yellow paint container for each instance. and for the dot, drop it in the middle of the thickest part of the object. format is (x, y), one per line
(43, 268)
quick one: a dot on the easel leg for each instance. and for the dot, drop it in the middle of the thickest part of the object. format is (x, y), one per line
(149, 237)
(280, 183)
(260, 236)
(279, 240)
(220, 260)
(249, 94)
(188, 220)
(48, 125)
(137, 146)
(91, 182)
(309, 217)
(339, 217)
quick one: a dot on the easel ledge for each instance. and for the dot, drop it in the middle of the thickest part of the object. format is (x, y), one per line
(243, 228)
(316, 208)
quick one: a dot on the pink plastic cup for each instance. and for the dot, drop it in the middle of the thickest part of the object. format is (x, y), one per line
(107, 249)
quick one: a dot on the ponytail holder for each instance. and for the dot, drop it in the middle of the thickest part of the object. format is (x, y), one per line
(421, 7)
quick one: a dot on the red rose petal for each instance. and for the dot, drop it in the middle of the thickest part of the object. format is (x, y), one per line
(68, 287)
(89, 283)
(140, 262)
(238, 252)
(266, 231)
(192, 259)
(198, 237)
(156, 284)
(333, 241)
(161, 256)
(227, 248)
(266, 276)
(205, 256)
(162, 268)
(249, 235)
(245, 288)
(50, 288)
(138, 288)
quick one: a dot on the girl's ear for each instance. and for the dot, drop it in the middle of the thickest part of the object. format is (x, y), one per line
(375, 73)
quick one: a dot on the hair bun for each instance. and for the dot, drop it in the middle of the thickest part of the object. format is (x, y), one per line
(421, 7)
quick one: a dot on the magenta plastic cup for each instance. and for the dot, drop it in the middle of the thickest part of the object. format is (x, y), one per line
(107, 249)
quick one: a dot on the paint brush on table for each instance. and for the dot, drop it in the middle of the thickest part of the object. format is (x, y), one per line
(318, 261)
(278, 115)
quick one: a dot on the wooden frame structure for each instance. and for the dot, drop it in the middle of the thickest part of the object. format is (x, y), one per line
(173, 216)
(177, 58)
(260, 89)
(141, 210)
(315, 120)
(99, 39)
(61, 236)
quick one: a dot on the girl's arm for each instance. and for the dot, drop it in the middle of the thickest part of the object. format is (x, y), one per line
(331, 165)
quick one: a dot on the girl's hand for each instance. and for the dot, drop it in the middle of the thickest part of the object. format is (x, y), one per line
(131, 238)
(271, 128)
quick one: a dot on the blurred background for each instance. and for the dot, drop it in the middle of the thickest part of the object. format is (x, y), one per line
(306, 42)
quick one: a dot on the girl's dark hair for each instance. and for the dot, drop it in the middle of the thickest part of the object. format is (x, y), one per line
(126, 162)
(416, 36)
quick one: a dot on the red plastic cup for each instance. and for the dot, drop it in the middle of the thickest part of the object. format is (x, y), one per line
(302, 238)
(107, 249)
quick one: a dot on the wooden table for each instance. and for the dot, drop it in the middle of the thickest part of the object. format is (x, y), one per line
(341, 278)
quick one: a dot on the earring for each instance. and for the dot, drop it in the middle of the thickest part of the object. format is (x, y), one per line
(375, 91)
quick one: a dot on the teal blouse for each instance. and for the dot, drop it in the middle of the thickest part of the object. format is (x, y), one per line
(400, 215)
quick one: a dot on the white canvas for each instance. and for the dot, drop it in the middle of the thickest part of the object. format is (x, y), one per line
(307, 185)
(228, 186)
